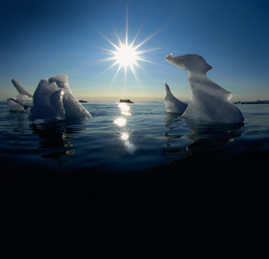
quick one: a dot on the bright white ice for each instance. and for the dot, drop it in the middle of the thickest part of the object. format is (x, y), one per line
(53, 99)
(208, 101)
(172, 104)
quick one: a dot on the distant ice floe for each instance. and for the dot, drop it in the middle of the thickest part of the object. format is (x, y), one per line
(172, 104)
(253, 102)
(52, 100)
(209, 101)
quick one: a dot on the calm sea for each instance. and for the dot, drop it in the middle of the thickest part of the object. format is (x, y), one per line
(136, 174)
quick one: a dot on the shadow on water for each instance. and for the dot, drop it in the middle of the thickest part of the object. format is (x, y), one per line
(56, 136)
(170, 119)
(18, 120)
(171, 122)
(209, 135)
(204, 135)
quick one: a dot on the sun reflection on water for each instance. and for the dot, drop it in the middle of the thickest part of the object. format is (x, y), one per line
(131, 148)
(125, 134)
(128, 145)
(124, 109)
(120, 122)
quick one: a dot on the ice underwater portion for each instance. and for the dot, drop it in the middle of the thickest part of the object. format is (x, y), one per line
(19, 104)
(53, 100)
(209, 101)
(172, 104)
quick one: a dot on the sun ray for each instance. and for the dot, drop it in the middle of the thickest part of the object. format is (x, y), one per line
(147, 39)
(137, 33)
(107, 69)
(118, 37)
(114, 45)
(126, 33)
(137, 79)
(127, 55)
(147, 50)
(104, 59)
(145, 60)
(142, 69)
(109, 50)
(115, 75)
(112, 78)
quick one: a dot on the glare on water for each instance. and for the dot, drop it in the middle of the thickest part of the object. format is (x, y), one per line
(120, 122)
(124, 136)
(124, 109)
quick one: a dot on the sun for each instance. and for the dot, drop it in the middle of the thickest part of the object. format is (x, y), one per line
(126, 55)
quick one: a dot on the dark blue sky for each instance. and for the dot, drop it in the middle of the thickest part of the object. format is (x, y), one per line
(40, 39)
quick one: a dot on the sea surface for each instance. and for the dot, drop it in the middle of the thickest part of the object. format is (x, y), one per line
(133, 174)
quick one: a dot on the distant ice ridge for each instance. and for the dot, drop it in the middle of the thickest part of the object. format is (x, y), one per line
(19, 104)
(253, 102)
(52, 100)
(209, 101)
(172, 104)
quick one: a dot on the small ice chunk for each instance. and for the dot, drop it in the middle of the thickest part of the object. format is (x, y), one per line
(14, 105)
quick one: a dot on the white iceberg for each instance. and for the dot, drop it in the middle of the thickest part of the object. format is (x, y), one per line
(209, 101)
(172, 104)
(20, 104)
(53, 99)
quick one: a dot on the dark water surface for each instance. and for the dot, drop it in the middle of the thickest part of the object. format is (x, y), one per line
(178, 187)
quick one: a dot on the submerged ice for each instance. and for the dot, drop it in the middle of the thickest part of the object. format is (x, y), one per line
(172, 104)
(52, 100)
(209, 101)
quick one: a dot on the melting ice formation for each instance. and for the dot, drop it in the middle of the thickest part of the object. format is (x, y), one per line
(209, 101)
(19, 104)
(53, 100)
(172, 104)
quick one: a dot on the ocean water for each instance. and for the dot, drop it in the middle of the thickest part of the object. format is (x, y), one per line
(136, 173)
(146, 138)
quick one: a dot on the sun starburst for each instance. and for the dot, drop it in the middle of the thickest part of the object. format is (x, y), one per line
(125, 54)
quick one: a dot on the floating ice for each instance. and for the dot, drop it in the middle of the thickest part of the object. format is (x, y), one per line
(209, 101)
(172, 104)
(20, 104)
(14, 105)
(53, 99)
